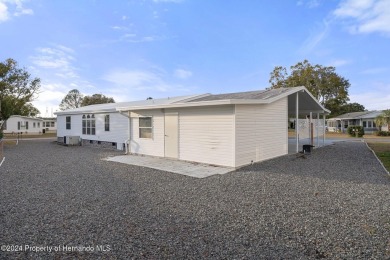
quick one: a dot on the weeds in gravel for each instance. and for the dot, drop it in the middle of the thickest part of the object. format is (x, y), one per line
(382, 150)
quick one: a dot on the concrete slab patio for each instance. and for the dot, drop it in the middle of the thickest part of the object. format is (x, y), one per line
(192, 169)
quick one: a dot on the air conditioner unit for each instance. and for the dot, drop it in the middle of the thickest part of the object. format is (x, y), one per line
(72, 140)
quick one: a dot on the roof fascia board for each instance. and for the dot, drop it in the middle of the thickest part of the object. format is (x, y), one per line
(26, 117)
(298, 89)
(111, 110)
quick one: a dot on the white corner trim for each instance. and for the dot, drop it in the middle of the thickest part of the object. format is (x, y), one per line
(2, 161)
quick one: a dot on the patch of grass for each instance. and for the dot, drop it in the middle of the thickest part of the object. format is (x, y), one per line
(9, 142)
(382, 150)
(46, 135)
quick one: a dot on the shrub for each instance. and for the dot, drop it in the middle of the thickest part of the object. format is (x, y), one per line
(1, 135)
(351, 130)
(383, 133)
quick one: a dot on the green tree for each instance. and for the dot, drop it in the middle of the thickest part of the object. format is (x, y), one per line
(383, 119)
(17, 90)
(339, 109)
(72, 100)
(96, 99)
(323, 82)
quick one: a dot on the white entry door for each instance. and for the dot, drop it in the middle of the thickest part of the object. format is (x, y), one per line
(171, 135)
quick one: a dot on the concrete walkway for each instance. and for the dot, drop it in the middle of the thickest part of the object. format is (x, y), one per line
(192, 169)
(328, 141)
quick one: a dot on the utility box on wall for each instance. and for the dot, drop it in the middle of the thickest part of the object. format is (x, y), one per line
(72, 140)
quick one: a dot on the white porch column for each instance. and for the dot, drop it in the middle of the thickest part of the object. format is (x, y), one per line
(318, 125)
(296, 121)
(323, 136)
(311, 132)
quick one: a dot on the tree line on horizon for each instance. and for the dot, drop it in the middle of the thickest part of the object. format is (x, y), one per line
(75, 99)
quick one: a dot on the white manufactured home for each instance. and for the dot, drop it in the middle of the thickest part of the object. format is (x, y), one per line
(23, 124)
(366, 119)
(232, 129)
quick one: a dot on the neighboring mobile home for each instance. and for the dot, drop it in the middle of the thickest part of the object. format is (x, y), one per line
(365, 119)
(232, 129)
(23, 124)
(49, 124)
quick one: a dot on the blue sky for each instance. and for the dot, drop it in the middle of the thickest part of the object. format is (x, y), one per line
(134, 49)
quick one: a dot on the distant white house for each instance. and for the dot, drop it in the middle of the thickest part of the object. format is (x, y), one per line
(49, 124)
(233, 129)
(23, 124)
(366, 119)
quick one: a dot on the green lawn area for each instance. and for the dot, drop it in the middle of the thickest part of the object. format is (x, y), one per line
(382, 150)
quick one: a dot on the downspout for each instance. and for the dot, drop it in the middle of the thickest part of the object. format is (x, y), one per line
(127, 141)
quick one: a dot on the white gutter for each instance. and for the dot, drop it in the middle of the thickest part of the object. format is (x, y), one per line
(127, 141)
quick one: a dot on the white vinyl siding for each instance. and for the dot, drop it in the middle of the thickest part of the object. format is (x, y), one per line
(118, 133)
(206, 134)
(19, 124)
(119, 129)
(149, 146)
(261, 132)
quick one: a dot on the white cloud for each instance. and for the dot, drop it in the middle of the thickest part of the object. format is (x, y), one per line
(168, 1)
(58, 58)
(139, 84)
(119, 28)
(134, 79)
(376, 99)
(3, 12)
(132, 38)
(372, 100)
(13, 7)
(365, 16)
(339, 63)
(309, 3)
(320, 33)
(376, 70)
(50, 97)
(182, 74)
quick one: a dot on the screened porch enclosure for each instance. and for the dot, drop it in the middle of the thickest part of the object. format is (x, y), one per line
(307, 118)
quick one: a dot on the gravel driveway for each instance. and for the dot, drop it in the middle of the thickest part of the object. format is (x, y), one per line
(332, 204)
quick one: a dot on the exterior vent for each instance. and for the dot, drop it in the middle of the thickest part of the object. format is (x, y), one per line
(72, 140)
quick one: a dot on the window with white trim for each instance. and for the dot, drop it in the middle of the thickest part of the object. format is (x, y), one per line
(68, 123)
(89, 125)
(107, 123)
(145, 127)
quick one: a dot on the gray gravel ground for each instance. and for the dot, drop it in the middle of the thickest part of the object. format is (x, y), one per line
(335, 204)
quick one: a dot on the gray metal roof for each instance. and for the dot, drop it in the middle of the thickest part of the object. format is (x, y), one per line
(111, 107)
(358, 115)
(258, 94)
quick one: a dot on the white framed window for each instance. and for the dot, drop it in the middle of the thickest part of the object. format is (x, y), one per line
(89, 125)
(145, 127)
(68, 123)
(107, 123)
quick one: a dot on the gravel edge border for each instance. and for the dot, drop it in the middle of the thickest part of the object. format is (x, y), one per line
(384, 168)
